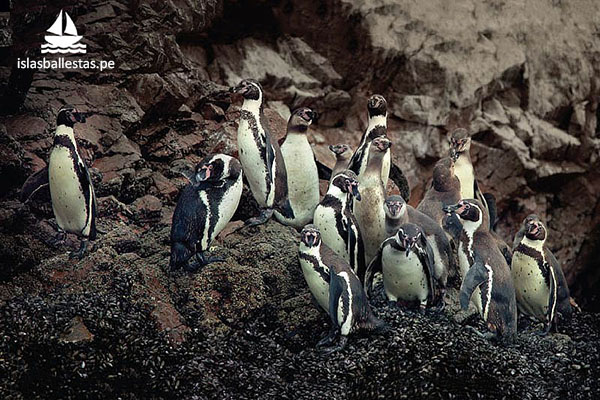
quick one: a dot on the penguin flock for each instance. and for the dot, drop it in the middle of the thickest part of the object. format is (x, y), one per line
(356, 232)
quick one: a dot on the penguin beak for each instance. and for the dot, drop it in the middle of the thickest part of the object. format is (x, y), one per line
(451, 208)
(354, 190)
(533, 228)
(309, 239)
(453, 154)
(241, 89)
(203, 174)
(408, 245)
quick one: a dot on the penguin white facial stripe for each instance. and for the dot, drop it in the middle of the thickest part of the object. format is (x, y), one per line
(489, 291)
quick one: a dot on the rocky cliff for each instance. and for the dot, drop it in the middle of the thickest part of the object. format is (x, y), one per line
(523, 77)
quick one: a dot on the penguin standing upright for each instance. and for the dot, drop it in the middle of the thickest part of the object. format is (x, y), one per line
(460, 152)
(398, 213)
(486, 277)
(342, 158)
(348, 306)
(369, 211)
(71, 189)
(377, 127)
(444, 190)
(407, 263)
(301, 167)
(260, 156)
(205, 206)
(541, 287)
(338, 226)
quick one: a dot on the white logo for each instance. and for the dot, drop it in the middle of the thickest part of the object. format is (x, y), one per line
(64, 38)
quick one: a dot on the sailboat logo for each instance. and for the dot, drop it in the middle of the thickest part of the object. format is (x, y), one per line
(64, 38)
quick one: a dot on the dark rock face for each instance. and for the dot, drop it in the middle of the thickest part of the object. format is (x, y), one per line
(116, 324)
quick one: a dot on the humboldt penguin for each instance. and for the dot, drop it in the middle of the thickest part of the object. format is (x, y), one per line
(261, 156)
(377, 127)
(345, 299)
(338, 226)
(71, 188)
(460, 152)
(541, 287)
(444, 190)
(204, 207)
(407, 263)
(342, 157)
(398, 213)
(486, 277)
(301, 167)
(369, 211)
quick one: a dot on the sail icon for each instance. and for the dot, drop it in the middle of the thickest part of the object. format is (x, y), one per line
(64, 38)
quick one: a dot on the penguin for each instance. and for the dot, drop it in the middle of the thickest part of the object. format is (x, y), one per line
(71, 188)
(301, 167)
(204, 207)
(369, 211)
(342, 158)
(338, 226)
(377, 127)
(460, 152)
(444, 190)
(486, 277)
(347, 303)
(398, 213)
(260, 156)
(541, 288)
(407, 262)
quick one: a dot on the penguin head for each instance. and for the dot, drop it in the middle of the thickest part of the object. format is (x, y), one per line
(339, 149)
(444, 178)
(311, 236)
(408, 237)
(347, 182)
(381, 144)
(250, 89)
(394, 206)
(460, 142)
(376, 105)
(301, 119)
(217, 167)
(471, 213)
(534, 228)
(68, 115)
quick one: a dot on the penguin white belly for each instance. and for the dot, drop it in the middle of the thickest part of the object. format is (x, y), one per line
(303, 178)
(345, 319)
(463, 170)
(371, 219)
(325, 220)
(68, 201)
(316, 284)
(530, 286)
(403, 277)
(227, 207)
(253, 165)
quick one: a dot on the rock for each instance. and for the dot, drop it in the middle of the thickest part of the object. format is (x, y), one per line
(147, 209)
(77, 332)
(212, 112)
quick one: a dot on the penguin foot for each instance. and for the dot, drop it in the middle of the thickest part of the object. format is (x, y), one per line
(201, 260)
(264, 216)
(334, 349)
(329, 339)
(81, 252)
(487, 335)
(58, 240)
(545, 331)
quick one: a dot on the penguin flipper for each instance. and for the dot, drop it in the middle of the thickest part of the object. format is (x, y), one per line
(399, 179)
(89, 195)
(563, 297)
(476, 275)
(375, 266)
(336, 287)
(323, 170)
(356, 249)
(354, 163)
(552, 299)
(490, 201)
(452, 225)
(427, 258)
(36, 184)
